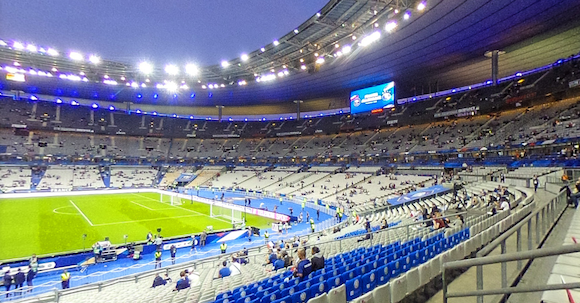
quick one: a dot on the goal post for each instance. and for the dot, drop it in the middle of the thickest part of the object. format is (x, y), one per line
(170, 199)
(232, 215)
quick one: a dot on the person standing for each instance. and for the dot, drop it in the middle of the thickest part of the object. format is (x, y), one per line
(536, 183)
(33, 262)
(19, 279)
(203, 238)
(249, 234)
(157, 259)
(266, 236)
(318, 215)
(193, 244)
(312, 224)
(149, 238)
(7, 282)
(223, 247)
(158, 242)
(65, 279)
(29, 277)
(173, 251)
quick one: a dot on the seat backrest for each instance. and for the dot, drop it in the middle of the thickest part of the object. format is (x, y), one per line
(398, 289)
(368, 298)
(383, 293)
(323, 298)
(337, 294)
(413, 280)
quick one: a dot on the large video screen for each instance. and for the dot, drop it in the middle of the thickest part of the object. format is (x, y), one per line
(372, 99)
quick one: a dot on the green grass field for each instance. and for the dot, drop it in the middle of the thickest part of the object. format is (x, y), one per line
(51, 225)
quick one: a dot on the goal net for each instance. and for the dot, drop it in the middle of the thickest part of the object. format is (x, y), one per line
(232, 215)
(171, 199)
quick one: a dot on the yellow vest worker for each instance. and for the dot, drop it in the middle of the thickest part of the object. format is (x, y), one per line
(65, 279)
(303, 204)
(223, 247)
(266, 236)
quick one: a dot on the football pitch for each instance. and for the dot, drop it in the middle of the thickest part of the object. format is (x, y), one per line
(51, 225)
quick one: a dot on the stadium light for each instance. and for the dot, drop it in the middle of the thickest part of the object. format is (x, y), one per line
(276, 43)
(390, 26)
(262, 49)
(421, 6)
(138, 111)
(320, 60)
(346, 49)
(191, 69)
(303, 67)
(53, 52)
(18, 45)
(296, 31)
(31, 48)
(95, 105)
(406, 16)
(225, 64)
(111, 108)
(33, 98)
(171, 86)
(244, 57)
(171, 69)
(74, 103)
(370, 38)
(145, 68)
(76, 56)
(94, 59)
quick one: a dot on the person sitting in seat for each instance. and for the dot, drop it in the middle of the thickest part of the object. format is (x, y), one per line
(158, 281)
(183, 282)
(225, 271)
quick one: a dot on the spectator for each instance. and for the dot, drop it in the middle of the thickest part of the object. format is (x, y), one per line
(158, 281)
(304, 268)
(33, 262)
(7, 281)
(279, 263)
(203, 238)
(287, 259)
(438, 222)
(183, 282)
(29, 277)
(173, 251)
(225, 271)
(271, 257)
(505, 205)
(317, 260)
(19, 279)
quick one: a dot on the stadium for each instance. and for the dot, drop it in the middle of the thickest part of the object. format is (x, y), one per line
(381, 151)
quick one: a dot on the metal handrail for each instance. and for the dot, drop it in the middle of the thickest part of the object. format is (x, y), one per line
(526, 255)
(547, 214)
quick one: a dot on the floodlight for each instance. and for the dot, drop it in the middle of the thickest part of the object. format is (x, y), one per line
(94, 59)
(95, 105)
(171, 69)
(370, 38)
(296, 31)
(59, 101)
(406, 16)
(76, 56)
(303, 67)
(31, 48)
(52, 52)
(320, 60)
(244, 57)
(390, 26)
(276, 43)
(18, 45)
(191, 69)
(225, 64)
(111, 108)
(145, 67)
(262, 49)
(421, 6)
(33, 98)
(171, 86)
(346, 49)
(74, 103)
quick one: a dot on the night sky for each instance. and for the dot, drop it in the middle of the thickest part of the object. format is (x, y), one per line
(161, 31)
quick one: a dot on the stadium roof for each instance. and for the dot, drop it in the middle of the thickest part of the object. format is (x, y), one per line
(433, 42)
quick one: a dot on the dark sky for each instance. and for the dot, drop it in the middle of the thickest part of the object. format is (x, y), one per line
(161, 31)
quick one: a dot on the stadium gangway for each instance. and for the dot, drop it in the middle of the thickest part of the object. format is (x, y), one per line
(541, 222)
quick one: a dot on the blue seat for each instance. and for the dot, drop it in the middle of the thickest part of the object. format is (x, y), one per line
(300, 297)
(318, 289)
(303, 286)
(283, 300)
(369, 281)
(351, 274)
(335, 281)
(353, 289)
(383, 274)
(269, 298)
(393, 269)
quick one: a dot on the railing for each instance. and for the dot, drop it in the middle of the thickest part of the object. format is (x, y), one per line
(540, 222)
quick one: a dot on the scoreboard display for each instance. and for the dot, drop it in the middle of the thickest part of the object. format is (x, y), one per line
(373, 99)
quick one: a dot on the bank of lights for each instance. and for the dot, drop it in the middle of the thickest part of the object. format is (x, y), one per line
(171, 69)
(145, 68)
(191, 69)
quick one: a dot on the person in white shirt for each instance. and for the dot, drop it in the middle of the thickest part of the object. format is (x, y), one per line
(505, 205)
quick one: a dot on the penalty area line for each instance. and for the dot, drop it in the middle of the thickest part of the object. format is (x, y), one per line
(145, 220)
(149, 208)
(81, 212)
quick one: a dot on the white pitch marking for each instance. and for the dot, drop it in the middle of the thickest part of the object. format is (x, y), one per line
(145, 220)
(80, 211)
(149, 208)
